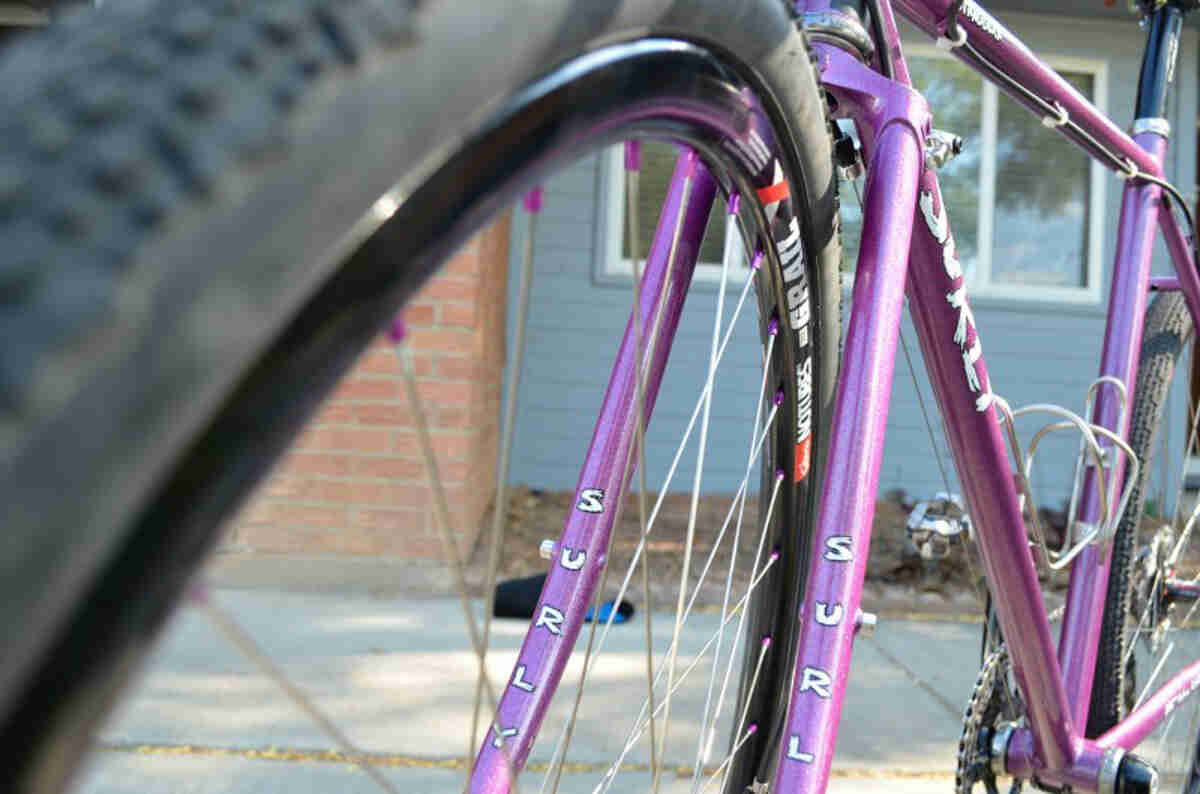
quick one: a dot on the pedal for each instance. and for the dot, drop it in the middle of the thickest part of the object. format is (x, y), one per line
(933, 525)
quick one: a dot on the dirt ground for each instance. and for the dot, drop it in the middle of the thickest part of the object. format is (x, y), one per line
(898, 580)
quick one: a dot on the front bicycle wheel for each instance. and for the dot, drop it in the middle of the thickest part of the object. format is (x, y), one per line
(1149, 631)
(210, 209)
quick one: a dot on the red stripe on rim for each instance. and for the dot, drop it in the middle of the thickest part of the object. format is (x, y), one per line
(776, 192)
(803, 459)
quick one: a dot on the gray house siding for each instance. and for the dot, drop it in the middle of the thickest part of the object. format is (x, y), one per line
(1036, 351)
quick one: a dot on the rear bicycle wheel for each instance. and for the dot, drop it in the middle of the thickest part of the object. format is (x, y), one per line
(177, 295)
(1149, 628)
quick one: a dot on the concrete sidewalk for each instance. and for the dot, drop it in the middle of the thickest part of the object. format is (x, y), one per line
(398, 677)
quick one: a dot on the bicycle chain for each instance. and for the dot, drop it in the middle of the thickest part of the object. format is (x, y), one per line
(991, 702)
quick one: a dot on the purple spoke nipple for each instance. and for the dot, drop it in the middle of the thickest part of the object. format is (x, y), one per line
(397, 330)
(773, 325)
(774, 556)
(779, 397)
(633, 155)
(690, 161)
(779, 475)
(735, 202)
(766, 643)
(756, 261)
(533, 200)
(753, 728)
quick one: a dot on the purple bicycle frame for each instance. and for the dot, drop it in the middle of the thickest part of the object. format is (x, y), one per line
(907, 247)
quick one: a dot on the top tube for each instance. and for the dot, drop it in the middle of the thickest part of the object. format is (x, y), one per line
(989, 48)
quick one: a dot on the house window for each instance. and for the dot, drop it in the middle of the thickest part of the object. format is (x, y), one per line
(1025, 205)
(722, 241)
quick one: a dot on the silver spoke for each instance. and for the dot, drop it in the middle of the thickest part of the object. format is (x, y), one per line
(692, 512)
(728, 516)
(641, 547)
(565, 740)
(704, 751)
(1141, 622)
(738, 499)
(641, 721)
(500, 506)
(750, 731)
(442, 520)
(737, 633)
(632, 174)
(1186, 451)
(755, 577)
(762, 654)
(1154, 675)
(245, 644)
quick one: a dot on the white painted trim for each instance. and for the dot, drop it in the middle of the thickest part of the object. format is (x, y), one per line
(614, 264)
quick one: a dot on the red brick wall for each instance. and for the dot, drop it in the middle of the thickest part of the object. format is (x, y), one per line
(354, 482)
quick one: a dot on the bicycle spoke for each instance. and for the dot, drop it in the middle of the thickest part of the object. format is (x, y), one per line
(641, 721)
(762, 654)
(692, 512)
(556, 769)
(1162, 740)
(442, 520)
(742, 620)
(750, 731)
(633, 157)
(707, 725)
(739, 498)
(641, 364)
(755, 577)
(1183, 623)
(1154, 675)
(1141, 622)
(245, 644)
(532, 204)
(728, 516)
(641, 547)
(1192, 434)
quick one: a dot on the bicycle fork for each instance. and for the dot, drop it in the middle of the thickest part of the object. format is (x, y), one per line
(907, 246)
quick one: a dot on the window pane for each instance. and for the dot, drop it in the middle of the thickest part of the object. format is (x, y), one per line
(658, 163)
(1043, 191)
(957, 95)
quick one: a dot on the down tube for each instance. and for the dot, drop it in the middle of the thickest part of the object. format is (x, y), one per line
(839, 554)
(954, 358)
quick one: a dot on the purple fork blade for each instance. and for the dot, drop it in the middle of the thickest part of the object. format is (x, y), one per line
(580, 553)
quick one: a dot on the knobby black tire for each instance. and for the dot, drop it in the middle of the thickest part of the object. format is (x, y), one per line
(185, 272)
(1167, 334)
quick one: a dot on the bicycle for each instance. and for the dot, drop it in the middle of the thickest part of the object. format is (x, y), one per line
(194, 131)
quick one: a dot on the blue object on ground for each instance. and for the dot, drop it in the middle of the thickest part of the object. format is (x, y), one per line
(624, 612)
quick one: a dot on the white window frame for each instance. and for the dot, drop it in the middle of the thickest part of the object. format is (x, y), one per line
(979, 283)
(614, 264)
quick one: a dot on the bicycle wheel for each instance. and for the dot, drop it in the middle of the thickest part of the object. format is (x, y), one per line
(1148, 623)
(176, 295)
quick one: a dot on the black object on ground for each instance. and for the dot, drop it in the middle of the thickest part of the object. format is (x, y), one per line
(518, 598)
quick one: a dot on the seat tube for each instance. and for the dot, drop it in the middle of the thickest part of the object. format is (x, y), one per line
(1088, 587)
(838, 556)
